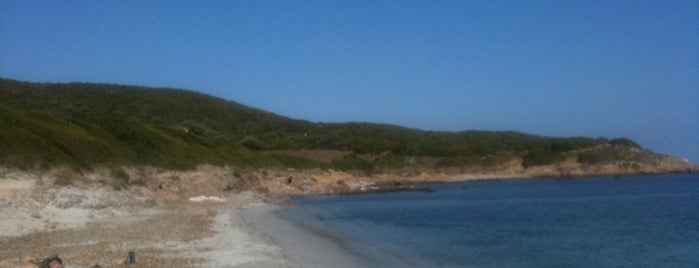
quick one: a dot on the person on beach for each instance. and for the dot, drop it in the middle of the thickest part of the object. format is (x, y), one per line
(52, 262)
(289, 179)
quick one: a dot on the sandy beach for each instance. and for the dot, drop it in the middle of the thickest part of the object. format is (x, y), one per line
(98, 227)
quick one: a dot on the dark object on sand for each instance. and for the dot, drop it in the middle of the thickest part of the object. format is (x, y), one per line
(289, 179)
(132, 257)
(51, 262)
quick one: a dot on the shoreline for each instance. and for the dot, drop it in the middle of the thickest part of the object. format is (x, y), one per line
(301, 247)
(323, 246)
(92, 224)
(387, 183)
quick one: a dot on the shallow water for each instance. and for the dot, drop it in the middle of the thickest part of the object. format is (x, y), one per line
(644, 221)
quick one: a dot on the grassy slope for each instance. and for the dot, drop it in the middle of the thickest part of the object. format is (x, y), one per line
(86, 124)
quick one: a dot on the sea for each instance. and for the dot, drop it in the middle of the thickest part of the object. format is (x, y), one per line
(632, 221)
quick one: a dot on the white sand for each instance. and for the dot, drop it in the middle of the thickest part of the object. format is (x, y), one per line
(94, 225)
(237, 244)
(97, 226)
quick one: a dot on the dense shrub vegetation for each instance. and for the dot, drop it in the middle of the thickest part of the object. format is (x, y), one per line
(85, 124)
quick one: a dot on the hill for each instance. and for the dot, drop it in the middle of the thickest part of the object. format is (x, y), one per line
(83, 124)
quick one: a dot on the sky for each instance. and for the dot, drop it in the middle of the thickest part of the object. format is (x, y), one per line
(555, 68)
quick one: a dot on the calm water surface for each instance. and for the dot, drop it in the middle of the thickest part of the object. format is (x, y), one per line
(644, 221)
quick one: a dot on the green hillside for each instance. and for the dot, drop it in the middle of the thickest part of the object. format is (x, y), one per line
(83, 124)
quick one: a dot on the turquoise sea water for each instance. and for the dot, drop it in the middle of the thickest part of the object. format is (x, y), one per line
(643, 221)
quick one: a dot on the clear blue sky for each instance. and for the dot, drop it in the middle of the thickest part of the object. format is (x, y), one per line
(555, 68)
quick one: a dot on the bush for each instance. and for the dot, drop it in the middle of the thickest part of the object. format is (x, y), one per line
(353, 162)
(390, 161)
(540, 158)
(66, 176)
(120, 179)
(251, 143)
(599, 156)
(624, 142)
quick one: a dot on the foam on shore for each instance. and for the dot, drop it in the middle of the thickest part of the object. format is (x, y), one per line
(307, 246)
(301, 247)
